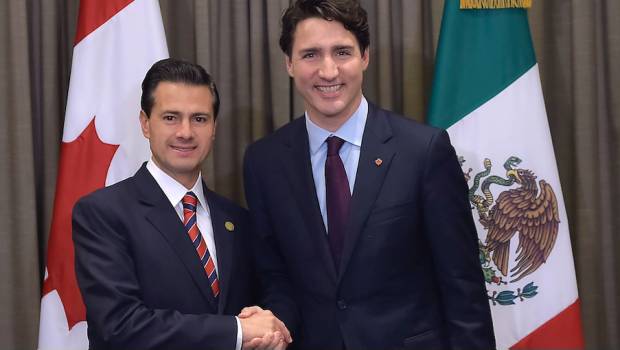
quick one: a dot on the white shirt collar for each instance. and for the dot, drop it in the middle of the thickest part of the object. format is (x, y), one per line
(173, 189)
(352, 131)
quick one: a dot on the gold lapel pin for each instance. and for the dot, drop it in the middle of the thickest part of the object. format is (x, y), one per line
(229, 226)
(378, 162)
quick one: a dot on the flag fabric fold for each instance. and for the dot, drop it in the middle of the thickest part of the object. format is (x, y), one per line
(487, 94)
(116, 43)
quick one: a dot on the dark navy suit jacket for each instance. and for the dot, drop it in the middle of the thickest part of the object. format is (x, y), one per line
(141, 279)
(410, 276)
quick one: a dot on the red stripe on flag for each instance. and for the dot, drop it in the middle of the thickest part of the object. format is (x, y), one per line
(561, 332)
(83, 168)
(94, 13)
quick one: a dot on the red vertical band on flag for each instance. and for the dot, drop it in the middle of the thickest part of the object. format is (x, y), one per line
(83, 168)
(561, 332)
(115, 33)
(94, 13)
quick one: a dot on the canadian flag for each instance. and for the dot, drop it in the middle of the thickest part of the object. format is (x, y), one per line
(116, 42)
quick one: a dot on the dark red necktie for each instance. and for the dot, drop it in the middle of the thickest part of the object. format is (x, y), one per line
(338, 197)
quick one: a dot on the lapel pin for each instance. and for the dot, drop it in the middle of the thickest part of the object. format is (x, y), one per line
(378, 162)
(229, 226)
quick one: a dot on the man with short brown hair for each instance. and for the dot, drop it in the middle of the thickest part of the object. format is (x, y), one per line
(361, 217)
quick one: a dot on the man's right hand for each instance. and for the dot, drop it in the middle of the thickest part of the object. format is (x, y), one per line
(256, 323)
(270, 341)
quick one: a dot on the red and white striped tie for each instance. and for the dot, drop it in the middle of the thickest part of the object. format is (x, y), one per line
(191, 225)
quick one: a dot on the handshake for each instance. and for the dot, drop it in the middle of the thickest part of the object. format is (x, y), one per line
(262, 330)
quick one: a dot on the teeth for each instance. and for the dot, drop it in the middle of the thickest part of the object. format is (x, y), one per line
(183, 148)
(332, 88)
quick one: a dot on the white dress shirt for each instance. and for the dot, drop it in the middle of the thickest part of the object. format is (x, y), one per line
(174, 191)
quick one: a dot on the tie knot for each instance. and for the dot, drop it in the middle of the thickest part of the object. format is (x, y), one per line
(333, 145)
(189, 201)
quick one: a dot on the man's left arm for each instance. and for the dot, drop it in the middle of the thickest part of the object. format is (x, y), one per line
(450, 229)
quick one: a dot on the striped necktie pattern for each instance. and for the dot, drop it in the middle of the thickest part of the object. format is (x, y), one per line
(191, 226)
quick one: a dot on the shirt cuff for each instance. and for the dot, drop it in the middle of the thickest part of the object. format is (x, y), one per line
(239, 334)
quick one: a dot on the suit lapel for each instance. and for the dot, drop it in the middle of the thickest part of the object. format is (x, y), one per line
(375, 159)
(224, 243)
(299, 172)
(165, 220)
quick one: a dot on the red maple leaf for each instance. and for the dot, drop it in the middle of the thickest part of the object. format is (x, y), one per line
(83, 168)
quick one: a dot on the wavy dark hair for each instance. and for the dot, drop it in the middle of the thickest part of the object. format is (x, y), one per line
(348, 12)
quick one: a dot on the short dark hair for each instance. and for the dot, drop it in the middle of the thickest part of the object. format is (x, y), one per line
(176, 71)
(348, 12)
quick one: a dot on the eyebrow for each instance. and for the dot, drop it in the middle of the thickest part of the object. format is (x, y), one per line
(341, 47)
(206, 114)
(175, 112)
(309, 49)
(318, 49)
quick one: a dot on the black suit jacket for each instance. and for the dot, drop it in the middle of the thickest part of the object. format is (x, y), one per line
(409, 276)
(141, 279)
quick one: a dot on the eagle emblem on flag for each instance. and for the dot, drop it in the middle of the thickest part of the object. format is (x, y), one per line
(527, 212)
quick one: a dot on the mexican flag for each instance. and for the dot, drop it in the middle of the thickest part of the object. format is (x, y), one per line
(116, 42)
(487, 94)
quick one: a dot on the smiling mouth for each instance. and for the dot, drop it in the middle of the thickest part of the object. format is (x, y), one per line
(328, 89)
(183, 149)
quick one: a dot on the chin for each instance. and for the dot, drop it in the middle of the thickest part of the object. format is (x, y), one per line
(186, 167)
(331, 113)
(334, 107)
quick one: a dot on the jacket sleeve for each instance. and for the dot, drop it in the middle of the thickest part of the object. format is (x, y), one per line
(275, 286)
(450, 229)
(117, 315)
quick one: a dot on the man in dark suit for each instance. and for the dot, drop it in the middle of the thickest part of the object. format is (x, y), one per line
(362, 224)
(163, 262)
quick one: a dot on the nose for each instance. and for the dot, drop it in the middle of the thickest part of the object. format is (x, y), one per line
(184, 131)
(328, 69)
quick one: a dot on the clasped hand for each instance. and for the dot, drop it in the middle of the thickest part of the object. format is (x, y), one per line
(262, 330)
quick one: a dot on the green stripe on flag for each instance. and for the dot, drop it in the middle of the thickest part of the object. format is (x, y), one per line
(480, 53)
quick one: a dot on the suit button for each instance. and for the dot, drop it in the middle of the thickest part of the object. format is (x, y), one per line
(342, 305)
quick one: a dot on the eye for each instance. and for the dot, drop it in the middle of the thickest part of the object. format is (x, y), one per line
(343, 52)
(201, 119)
(308, 55)
(169, 117)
